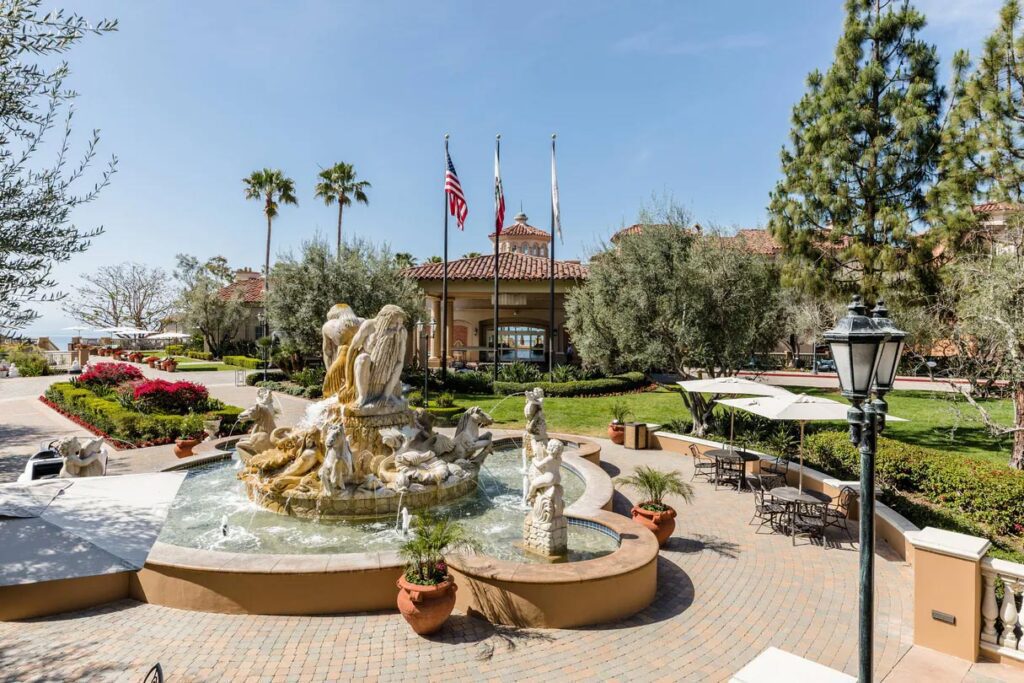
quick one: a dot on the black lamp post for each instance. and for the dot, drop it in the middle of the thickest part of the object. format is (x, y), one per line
(265, 330)
(866, 351)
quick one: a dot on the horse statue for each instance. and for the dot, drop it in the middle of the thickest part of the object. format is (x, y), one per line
(468, 443)
(262, 436)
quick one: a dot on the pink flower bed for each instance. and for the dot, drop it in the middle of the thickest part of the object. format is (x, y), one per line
(171, 397)
(109, 374)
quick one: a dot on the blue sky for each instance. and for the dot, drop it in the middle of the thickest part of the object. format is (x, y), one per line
(685, 98)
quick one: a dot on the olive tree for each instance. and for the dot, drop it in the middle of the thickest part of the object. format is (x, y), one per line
(675, 300)
(305, 286)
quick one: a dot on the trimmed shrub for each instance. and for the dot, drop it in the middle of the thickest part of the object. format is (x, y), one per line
(244, 362)
(984, 493)
(309, 377)
(291, 388)
(30, 362)
(110, 419)
(199, 355)
(272, 376)
(174, 349)
(444, 400)
(177, 398)
(415, 399)
(618, 384)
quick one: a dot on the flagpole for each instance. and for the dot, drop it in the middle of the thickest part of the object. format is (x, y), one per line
(551, 273)
(497, 238)
(444, 279)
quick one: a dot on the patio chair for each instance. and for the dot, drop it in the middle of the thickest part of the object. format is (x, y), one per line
(774, 471)
(808, 520)
(837, 512)
(767, 510)
(703, 466)
(154, 675)
(728, 471)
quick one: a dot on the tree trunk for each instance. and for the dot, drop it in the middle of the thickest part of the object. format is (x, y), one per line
(341, 207)
(1017, 456)
(266, 261)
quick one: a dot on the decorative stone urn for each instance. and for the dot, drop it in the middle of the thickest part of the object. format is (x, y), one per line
(661, 524)
(426, 608)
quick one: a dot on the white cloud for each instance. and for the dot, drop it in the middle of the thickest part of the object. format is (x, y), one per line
(663, 41)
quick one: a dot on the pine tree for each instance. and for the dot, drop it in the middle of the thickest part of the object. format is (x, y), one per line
(864, 149)
(983, 144)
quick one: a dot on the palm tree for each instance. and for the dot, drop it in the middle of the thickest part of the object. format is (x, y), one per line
(654, 485)
(434, 259)
(272, 187)
(338, 184)
(471, 254)
(404, 259)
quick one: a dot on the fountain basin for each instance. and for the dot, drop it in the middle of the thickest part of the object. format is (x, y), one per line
(505, 591)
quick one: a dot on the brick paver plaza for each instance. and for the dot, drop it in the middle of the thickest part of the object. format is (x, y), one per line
(725, 593)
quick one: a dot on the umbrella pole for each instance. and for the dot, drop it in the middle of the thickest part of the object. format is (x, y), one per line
(732, 424)
(801, 457)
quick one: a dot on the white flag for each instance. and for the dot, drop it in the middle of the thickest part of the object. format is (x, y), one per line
(556, 216)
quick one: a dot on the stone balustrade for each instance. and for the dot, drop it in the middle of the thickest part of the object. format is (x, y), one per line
(1002, 619)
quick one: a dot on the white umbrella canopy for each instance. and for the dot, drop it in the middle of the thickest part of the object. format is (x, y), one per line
(801, 408)
(169, 335)
(67, 528)
(734, 386)
(77, 328)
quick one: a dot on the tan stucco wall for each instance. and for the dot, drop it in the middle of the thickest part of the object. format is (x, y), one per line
(951, 585)
(53, 597)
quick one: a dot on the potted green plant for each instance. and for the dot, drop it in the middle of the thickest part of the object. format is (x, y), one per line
(191, 435)
(426, 591)
(616, 429)
(652, 511)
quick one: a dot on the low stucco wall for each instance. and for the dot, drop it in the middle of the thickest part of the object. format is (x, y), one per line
(889, 524)
(25, 601)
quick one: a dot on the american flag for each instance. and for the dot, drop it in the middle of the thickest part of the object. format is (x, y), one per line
(499, 195)
(453, 189)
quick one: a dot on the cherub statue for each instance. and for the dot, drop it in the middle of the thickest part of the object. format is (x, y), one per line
(546, 469)
(535, 436)
(82, 460)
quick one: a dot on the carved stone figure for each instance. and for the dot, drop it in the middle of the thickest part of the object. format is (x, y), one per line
(375, 358)
(338, 468)
(262, 414)
(469, 443)
(82, 459)
(342, 324)
(545, 529)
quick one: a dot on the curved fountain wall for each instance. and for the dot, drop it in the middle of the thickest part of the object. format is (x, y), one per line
(512, 593)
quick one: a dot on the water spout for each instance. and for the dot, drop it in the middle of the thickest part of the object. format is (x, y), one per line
(224, 526)
(406, 521)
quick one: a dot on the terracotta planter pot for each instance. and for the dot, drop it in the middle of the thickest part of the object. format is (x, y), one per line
(183, 447)
(617, 433)
(151, 363)
(661, 524)
(426, 608)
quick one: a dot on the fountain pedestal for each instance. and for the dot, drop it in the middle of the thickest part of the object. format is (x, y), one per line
(550, 539)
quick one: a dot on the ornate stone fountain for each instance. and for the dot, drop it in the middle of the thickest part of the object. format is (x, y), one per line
(360, 452)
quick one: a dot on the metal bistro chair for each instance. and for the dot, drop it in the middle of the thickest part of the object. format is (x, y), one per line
(837, 512)
(728, 471)
(808, 520)
(767, 510)
(774, 471)
(703, 466)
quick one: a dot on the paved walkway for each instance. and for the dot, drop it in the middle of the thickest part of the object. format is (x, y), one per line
(725, 594)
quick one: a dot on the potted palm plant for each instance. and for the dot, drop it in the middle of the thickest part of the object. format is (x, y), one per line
(652, 511)
(616, 429)
(426, 591)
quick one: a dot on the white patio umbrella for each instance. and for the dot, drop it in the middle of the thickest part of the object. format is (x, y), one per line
(169, 335)
(77, 328)
(67, 528)
(801, 408)
(734, 386)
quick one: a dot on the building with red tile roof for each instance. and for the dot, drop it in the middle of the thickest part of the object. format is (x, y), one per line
(248, 287)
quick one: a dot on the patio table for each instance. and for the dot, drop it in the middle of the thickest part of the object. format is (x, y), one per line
(792, 497)
(733, 455)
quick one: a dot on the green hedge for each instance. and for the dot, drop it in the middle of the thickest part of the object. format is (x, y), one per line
(984, 493)
(618, 384)
(244, 362)
(446, 416)
(290, 388)
(174, 349)
(272, 375)
(199, 355)
(109, 417)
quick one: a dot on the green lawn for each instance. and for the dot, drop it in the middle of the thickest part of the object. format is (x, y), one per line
(194, 364)
(936, 420)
